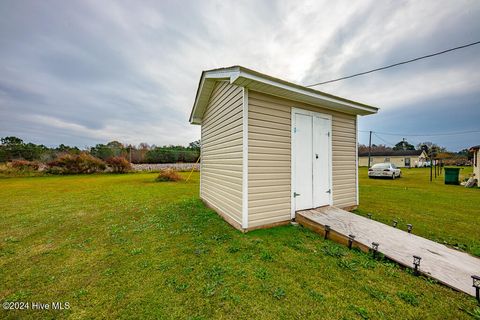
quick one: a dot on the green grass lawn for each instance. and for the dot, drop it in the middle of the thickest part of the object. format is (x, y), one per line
(123, 246)
(448, 214)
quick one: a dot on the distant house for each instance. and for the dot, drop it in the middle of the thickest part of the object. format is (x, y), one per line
(401, 158)
(476, 161)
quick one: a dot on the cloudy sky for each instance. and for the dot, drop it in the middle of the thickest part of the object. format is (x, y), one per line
(86, 72)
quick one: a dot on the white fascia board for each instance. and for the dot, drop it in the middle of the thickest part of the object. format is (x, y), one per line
(218, 75)
(319, 97)
(236, 74)
(199, 105)
(193, 117)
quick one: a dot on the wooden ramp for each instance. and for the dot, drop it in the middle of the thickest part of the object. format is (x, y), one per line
(450, 267)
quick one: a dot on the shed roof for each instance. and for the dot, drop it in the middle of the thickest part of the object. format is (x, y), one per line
(474, 148)
(257, 81)
(400, 153)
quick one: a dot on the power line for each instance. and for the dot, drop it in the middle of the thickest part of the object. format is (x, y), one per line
(424, 135)
(396, 64)
(388, 143)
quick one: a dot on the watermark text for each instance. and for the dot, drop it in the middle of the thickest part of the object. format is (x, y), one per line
(35, 305)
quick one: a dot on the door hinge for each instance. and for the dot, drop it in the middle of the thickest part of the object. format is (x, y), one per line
(296, 194)
(329, 191)
(328, 134)
(295, 130)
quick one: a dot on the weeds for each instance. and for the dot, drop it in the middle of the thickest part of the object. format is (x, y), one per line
(266, 256)
(167, 175)
(333, 250)
(408, 297)
(261, 273)
(279, 293)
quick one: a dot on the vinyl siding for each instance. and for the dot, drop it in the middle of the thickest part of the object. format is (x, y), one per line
(269, 156)
(221, 162)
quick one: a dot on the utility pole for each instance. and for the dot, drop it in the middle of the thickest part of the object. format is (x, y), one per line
(369, 147)
(431, 165)
(431, 168)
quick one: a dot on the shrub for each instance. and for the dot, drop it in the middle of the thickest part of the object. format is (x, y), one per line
(168, 175)
(20, 168)
(25, 165)
(75, 164)
(119, 164)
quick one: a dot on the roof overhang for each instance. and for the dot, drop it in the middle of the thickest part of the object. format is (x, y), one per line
(474, 148)
(257, 81)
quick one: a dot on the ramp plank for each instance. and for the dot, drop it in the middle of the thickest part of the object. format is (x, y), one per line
(450, 267)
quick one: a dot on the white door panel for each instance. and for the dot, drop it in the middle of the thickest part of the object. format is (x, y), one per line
(311, 160)
(321, 170)
(303, 164)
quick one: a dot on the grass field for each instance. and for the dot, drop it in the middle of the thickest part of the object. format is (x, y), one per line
(123, 246)
(447, 214)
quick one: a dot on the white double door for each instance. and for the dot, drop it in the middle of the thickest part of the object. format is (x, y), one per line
(311, 159)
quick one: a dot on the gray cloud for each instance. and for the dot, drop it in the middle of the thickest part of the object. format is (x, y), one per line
(432, 118)
(84, 72)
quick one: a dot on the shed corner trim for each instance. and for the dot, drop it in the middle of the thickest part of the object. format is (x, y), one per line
(245, 160)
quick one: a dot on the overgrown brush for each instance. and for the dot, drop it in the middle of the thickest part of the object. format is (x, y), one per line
(168, 174)
(119, 164)
(76, 164)
(25, 165)
(20, 168)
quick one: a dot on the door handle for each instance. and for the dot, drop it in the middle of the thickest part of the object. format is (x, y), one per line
(316, 155)
(296, 194)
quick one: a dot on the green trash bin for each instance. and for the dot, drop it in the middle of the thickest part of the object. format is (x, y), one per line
(451, 175)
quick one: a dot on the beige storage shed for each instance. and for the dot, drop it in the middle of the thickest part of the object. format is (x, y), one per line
(270, 147)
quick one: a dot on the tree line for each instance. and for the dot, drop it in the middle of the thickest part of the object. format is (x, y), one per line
(14, 148)
(432, 149)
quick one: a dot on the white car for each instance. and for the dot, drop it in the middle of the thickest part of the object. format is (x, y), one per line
(385, 170)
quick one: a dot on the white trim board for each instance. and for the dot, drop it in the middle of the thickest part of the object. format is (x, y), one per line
(356, 159)
(294, 111)
(257, 81)
(292, 164)
(245, 160)
(302, 91)
(200, 191)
